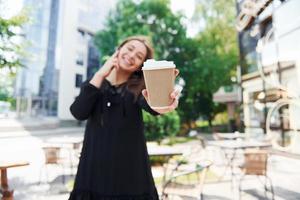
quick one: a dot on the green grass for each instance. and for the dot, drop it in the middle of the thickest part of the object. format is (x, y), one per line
(191, 178)
(70, 185)
(177, 140)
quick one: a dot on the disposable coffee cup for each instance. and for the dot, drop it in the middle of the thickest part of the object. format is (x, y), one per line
(159, 79)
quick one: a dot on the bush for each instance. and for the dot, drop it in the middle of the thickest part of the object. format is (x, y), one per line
(159, 127)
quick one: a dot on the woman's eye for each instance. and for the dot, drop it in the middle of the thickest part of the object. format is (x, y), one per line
(129, 48)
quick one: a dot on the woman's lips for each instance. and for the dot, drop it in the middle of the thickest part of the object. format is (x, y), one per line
(127, 61)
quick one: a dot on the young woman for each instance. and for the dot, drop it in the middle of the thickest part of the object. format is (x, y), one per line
(114, 162)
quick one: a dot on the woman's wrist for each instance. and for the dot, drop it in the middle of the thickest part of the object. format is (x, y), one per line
(97, 79)
(100, 75)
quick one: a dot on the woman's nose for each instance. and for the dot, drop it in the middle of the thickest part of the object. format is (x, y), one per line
(131, 55)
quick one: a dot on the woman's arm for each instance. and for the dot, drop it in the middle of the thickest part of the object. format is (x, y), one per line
(105, 70)
(89, 93)
(84, 104)
(145, 106)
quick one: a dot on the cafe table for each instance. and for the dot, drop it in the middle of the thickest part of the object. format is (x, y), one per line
(230, 136)
(7, 193)
(66, 141)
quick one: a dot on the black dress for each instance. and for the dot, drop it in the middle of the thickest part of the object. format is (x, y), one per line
(114, 162)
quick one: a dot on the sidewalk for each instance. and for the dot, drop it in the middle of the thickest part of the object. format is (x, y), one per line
(26, 145)
(15, 127)
(41, 133)
(19, 124)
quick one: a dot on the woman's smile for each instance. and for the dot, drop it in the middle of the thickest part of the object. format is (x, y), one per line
(127, 60)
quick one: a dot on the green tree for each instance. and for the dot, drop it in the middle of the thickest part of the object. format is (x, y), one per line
(149, 17)
(10, 47)
(158, 127)
(10, 51)
(217, 57)
(6, 87)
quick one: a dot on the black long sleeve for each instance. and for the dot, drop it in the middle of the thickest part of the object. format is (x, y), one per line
(84, 104)
(145, 106)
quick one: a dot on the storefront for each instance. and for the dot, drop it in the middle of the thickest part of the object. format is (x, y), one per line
(269, 57)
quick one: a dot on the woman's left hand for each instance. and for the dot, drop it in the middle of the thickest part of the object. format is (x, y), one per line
(174, 96)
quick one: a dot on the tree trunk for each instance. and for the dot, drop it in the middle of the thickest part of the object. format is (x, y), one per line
(210, 123)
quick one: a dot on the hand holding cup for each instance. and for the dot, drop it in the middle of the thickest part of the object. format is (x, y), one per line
(175, 100)
(159, 79)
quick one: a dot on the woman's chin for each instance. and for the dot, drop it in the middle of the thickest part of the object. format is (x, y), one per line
(126, 68)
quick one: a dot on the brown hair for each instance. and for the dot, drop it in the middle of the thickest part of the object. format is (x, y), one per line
(136, 83)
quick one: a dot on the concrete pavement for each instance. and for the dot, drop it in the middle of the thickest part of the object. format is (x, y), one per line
(13, 123)
(26, 145)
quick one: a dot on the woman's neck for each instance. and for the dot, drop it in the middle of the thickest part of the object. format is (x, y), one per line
(117, 77)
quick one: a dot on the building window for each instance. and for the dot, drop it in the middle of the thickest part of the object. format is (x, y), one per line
(79, 58)
(93, 62)
(89, 36)
(78, 80)
(266, 27)
(80, 35)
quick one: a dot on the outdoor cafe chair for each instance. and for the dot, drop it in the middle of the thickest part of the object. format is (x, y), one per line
(52, 157)
(186, 180)
(228, 155)
(186, 175)
(256, 164)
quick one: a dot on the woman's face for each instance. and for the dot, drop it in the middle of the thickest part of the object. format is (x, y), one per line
(132, 55)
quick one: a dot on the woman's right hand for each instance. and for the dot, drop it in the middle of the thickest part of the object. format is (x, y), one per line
(109, 65)
(105, 70)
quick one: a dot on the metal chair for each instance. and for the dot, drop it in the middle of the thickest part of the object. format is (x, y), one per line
(256, 163)
(52, 157)
(183, 183)
(186, 175)
(228, 156)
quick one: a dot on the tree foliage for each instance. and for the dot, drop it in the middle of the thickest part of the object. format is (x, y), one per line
(10, 46)
(156, 128)
(218, 53)
(153, 18)
(217, 56)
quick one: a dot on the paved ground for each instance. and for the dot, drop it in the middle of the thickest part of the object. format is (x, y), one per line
(26, 145)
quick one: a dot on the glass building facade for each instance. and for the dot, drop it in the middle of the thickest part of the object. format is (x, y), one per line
(269, 49)
(61, 54)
